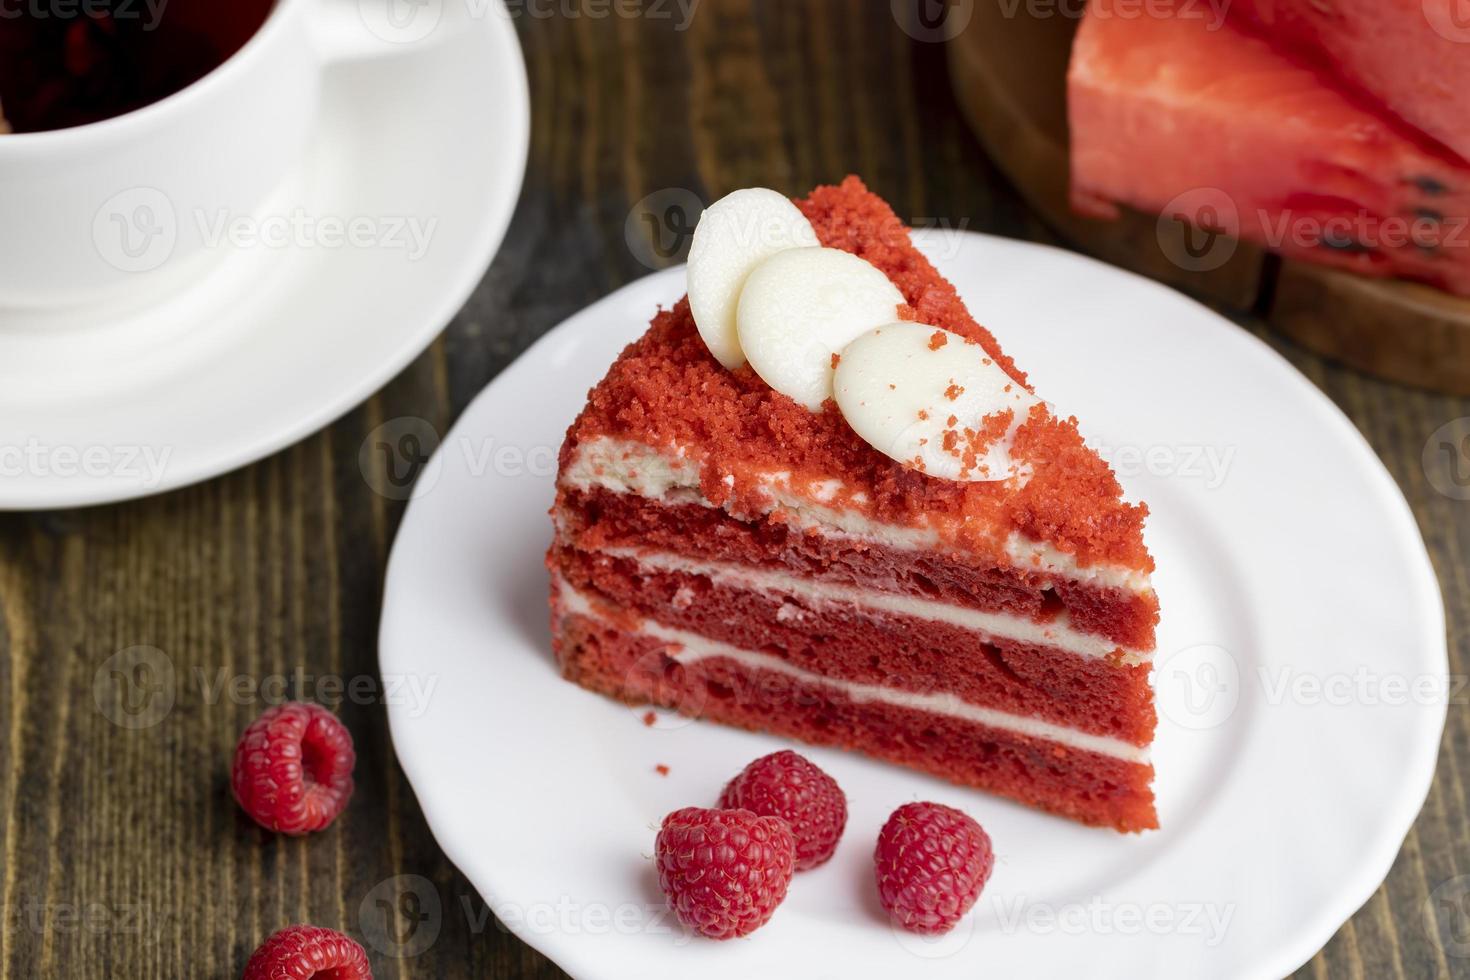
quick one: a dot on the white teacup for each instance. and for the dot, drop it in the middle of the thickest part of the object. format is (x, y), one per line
(95, 213)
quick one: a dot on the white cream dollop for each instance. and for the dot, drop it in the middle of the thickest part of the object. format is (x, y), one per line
(734, 235)
(802, 306)
(922, 396)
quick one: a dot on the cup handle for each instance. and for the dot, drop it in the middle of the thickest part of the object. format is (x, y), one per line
(354, 30)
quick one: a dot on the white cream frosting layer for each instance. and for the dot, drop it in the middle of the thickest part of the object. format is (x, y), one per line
(694, 648)
(624, 466)
(1057, 633)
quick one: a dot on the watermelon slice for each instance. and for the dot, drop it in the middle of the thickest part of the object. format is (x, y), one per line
(1211, 124)
(1412, 55)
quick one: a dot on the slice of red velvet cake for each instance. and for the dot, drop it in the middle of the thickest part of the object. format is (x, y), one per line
(969, 600)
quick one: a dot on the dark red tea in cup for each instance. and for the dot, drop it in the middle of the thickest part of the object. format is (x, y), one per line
(70, 62)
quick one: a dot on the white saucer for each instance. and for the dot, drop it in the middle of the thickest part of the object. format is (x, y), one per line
(272, 343)
(1295, 562)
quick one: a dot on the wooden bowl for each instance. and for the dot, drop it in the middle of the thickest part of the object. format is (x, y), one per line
(1009, 75)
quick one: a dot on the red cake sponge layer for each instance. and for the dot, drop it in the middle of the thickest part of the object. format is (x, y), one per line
(599, 519)
(846, 642)
(1086, 786)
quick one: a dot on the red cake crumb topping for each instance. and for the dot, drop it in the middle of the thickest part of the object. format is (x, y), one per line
(854, 219)
(666, 390)
(968, 445)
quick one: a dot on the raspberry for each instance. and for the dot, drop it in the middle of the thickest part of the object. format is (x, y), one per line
(724, 871)
(788, 786)
(932, 861)
(304, 952)
(293, 768)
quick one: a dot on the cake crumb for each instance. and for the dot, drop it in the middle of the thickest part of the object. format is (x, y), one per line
(666, 389)
(938, 340)
(649, 718)
(836, 359)
(661, 769)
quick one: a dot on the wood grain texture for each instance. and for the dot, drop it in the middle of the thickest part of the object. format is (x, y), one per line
(123, 854)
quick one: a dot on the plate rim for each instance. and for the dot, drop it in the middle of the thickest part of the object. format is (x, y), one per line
(1371, 869)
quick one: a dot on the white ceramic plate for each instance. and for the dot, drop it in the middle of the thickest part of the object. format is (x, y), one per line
(275, 342)
(1298, 602)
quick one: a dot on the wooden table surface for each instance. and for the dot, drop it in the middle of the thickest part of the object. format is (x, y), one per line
(123, 852)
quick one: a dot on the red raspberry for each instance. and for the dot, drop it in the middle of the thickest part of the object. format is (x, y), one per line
(724, 871)
(304, 952)
(932, 861)
(293, 768)
(788, 786)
